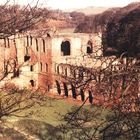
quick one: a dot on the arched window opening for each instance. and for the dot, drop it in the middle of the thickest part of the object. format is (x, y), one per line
(89, 47)
(41, 67)
(46, 67)
(82, 94)
(8, 42)
(65, 48)
(48, 87)
(32, 83)
(66, 72)
(65, 89)
(26, 57)
(27, 40)
(31, 40)
(31, 68)
(90, 97)
(58, 87)
(36, 44)
(5, 42)
(73, 92)
(43, 45)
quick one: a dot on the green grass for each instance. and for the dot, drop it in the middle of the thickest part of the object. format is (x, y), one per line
(42, 121)
(50, 112)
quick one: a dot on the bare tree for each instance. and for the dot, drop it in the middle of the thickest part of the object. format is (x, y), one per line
(15, 19)
(114, 87)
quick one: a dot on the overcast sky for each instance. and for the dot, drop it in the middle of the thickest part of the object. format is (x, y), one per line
(68, 4)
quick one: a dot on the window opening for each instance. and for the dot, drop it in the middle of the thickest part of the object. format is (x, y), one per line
(32, 83)
(37, 45)
(43, 45)
(31, 68)
(65, 48)
(89, 47)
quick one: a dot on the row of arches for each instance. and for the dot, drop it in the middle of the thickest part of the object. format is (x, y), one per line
(43, 67)
(73, 71)
(7, 42)
(37, 42)
(71, 91)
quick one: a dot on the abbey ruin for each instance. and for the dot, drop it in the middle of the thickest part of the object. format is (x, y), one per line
(45, 62)
(77, 65)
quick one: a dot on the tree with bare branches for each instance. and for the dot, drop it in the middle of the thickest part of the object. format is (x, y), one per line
(114, 84)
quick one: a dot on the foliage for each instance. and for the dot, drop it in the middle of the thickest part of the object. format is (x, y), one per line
(97, 23)
(123, 33)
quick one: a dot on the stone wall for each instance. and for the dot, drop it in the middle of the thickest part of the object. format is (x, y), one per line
(44, 62)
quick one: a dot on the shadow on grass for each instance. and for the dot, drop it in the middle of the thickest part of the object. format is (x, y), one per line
(10, 134)
(41, 130)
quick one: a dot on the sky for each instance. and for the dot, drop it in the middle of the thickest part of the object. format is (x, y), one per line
(69, 4)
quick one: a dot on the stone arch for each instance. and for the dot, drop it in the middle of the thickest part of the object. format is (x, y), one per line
(31, 67)
(41, 66)
(90, 96)
(65, 89)
(89, 47)
(58, 87)
(32, 83)
(37, 48)
(82, 95)
(73, 91)
(43, 44)
(65, 48)
(46, 67)
(27, 40)
(31, 40)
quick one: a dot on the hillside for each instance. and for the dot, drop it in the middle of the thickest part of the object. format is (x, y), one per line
(92, 10)
(70, 18)
(89, 10)
(94, 23)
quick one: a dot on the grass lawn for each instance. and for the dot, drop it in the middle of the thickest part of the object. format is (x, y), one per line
(42, 121)
(50, 112)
